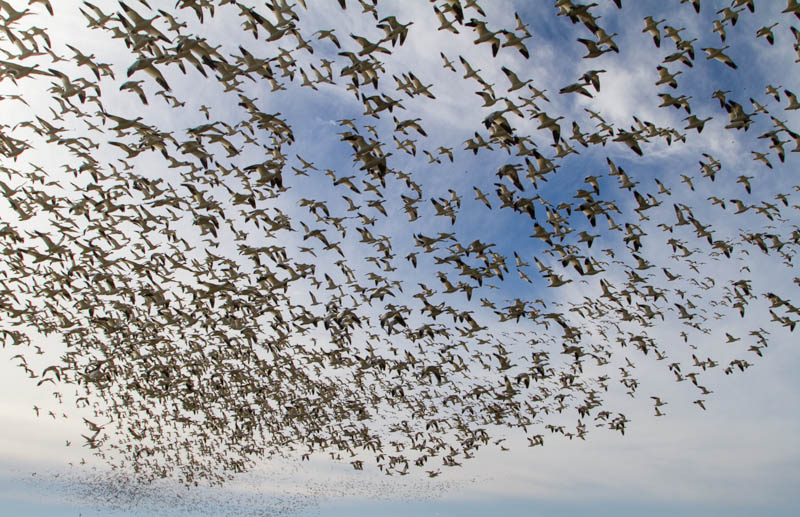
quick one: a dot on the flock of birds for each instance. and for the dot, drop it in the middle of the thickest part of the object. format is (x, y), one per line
(214, 313)
(258, 493)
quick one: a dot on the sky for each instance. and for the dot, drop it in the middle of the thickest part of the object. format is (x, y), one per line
(738, 456)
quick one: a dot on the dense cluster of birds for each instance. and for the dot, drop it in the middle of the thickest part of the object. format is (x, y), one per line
(223, 299)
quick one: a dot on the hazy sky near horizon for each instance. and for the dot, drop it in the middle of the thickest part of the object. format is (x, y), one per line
(739, 456)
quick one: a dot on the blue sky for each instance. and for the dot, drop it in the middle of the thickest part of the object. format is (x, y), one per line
(738, 457)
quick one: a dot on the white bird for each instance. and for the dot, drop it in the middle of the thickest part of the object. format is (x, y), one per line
(719, 55)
